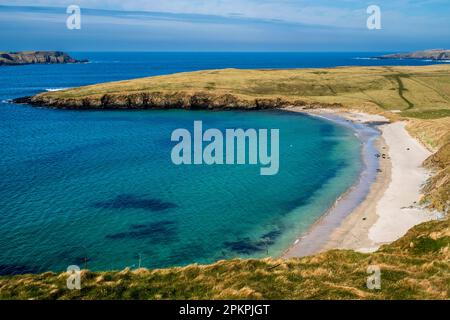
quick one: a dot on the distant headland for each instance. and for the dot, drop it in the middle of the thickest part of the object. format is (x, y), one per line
(432, 54)
(36, 57)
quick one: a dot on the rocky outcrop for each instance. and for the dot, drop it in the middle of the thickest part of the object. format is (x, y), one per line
(161, 100)
(32, 57)
(434, 54)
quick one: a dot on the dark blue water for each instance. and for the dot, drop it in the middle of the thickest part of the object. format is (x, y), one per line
(99, 188)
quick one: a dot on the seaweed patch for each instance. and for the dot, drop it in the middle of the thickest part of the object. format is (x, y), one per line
(128, 201)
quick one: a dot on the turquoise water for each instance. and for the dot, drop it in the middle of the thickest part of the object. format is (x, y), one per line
(98, 189)
(102, 185)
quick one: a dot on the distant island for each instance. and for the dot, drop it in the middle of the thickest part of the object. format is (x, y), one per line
(36, 57)
(432, 54)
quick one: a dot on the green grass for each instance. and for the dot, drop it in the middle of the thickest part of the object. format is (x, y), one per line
(428, 114)
(426, 244)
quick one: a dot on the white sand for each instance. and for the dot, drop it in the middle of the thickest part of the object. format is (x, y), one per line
(391, 208)
(397, 209)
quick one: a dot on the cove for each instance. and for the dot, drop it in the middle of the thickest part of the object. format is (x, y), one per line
(100, 188)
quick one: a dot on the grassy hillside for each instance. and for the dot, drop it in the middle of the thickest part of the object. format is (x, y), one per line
(414, 267)
(413, 90)
(435, 134)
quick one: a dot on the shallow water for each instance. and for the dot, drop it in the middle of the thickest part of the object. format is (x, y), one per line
(102, 185)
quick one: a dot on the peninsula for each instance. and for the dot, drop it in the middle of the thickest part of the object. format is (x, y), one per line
(406, 89)
(432, 54)
(36, 57)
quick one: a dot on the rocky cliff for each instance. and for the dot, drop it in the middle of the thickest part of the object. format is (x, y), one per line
(32, 57)
(163, 100)
(434, 54)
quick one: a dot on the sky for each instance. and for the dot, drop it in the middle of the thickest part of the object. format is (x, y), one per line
(225, 25)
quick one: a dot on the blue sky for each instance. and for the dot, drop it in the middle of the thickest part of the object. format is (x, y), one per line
(225, 25)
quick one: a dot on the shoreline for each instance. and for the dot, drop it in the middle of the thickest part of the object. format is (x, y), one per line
(367, 214)
(358, 227)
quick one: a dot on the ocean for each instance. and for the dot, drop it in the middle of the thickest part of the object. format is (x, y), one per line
(98, 189)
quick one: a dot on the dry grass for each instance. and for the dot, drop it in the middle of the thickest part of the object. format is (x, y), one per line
(435, 134)
(390, 88)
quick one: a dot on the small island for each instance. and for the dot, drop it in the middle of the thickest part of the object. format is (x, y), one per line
(36, 57)
(432, 54)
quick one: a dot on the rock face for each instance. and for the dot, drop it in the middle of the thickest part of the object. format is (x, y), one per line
(32, 57)
(160, 100)
(434, 54)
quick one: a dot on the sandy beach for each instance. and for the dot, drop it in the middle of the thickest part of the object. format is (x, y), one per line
(390, 206)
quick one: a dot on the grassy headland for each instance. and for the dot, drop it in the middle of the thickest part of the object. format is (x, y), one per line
(415, 266)
(422, 92)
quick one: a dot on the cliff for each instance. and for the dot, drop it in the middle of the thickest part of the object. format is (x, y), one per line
(33, 57)
(166, 100)
(433, 54)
